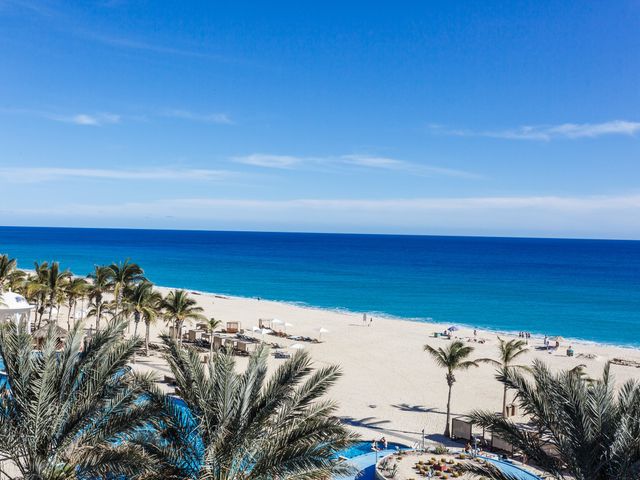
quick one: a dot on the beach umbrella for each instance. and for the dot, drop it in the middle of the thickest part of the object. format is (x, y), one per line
(322, 330)
(287, 324)
(453, 328)
(276, 321)
(296, 346)
(262, 331)
(557, 339)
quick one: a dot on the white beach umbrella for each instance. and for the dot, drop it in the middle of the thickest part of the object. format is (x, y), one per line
(262, 331)
(322, 330)
(296, 346)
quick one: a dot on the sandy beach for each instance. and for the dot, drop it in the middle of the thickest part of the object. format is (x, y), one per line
(391, 387)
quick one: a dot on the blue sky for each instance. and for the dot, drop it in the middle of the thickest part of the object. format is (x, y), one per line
(476, 118)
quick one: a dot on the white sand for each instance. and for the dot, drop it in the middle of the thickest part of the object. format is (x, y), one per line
(391, 387)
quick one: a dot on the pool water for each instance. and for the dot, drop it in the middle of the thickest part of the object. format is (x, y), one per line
(363, 448)
(514, 471)
(363, 459)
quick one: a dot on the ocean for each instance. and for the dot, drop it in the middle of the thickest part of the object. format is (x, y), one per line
(586, 289)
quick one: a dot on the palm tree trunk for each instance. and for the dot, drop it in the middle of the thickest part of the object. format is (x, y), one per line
(447, 430)
(69, 319)
(504, 402)
(146, 337)
(136, 320)
(210, 344)
(179, 331)
(98, 314)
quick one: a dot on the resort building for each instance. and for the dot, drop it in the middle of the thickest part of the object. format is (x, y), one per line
(15, 308)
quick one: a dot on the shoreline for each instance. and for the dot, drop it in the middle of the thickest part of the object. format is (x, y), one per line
(395, 318)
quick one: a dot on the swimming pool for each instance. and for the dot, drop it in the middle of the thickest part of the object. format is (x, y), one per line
(513, 470)
(363, 459)
(363, 448)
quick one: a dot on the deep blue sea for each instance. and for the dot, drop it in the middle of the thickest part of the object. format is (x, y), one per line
(588, 289)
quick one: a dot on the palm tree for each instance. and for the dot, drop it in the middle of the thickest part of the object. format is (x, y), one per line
(16, 281)
(69, 414)
(7, 266)
(212, 324)
(178, 307)
(244, 426)
(584, 429)
(75, 289)
(453, 358)
(508, 352)
(38, 286)
(100, 284)
(144, 303)
(56, 284)
(35, 291)
(123, 276)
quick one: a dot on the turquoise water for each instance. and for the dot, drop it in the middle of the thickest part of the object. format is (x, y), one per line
(362, 448)
(363, 459)
(514, 471)
(587, 289)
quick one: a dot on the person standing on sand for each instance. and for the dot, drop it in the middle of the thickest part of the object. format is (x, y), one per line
(364, 319)
(370, 320)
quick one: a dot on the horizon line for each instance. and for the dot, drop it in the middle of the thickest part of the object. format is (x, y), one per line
(294, 232)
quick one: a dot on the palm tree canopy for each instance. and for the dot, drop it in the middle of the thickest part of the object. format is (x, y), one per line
(100, 278)
(213, 323)
(69, 413)
(142, 300)
(76, 288)
(509, 351)
(453, 357)
(178, 305)
(249, 426)
(594, 431)
(7, 266)
(124, 274)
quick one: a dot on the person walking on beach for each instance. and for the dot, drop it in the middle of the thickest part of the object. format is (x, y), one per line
(370, 320)
(364, 319)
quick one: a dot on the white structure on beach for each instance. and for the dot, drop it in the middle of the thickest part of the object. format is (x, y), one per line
(15, 308)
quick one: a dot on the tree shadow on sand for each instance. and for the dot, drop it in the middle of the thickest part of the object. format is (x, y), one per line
(405, 407)
(379, 425)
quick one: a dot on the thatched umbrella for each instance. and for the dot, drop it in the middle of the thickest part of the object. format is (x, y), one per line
(41, 334)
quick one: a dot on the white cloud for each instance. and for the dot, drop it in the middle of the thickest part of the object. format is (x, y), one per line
(95, 120)
(42, 174)
(385, 163)
(219, 118)
(270, 161)
(352, 160)
(549, 132)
